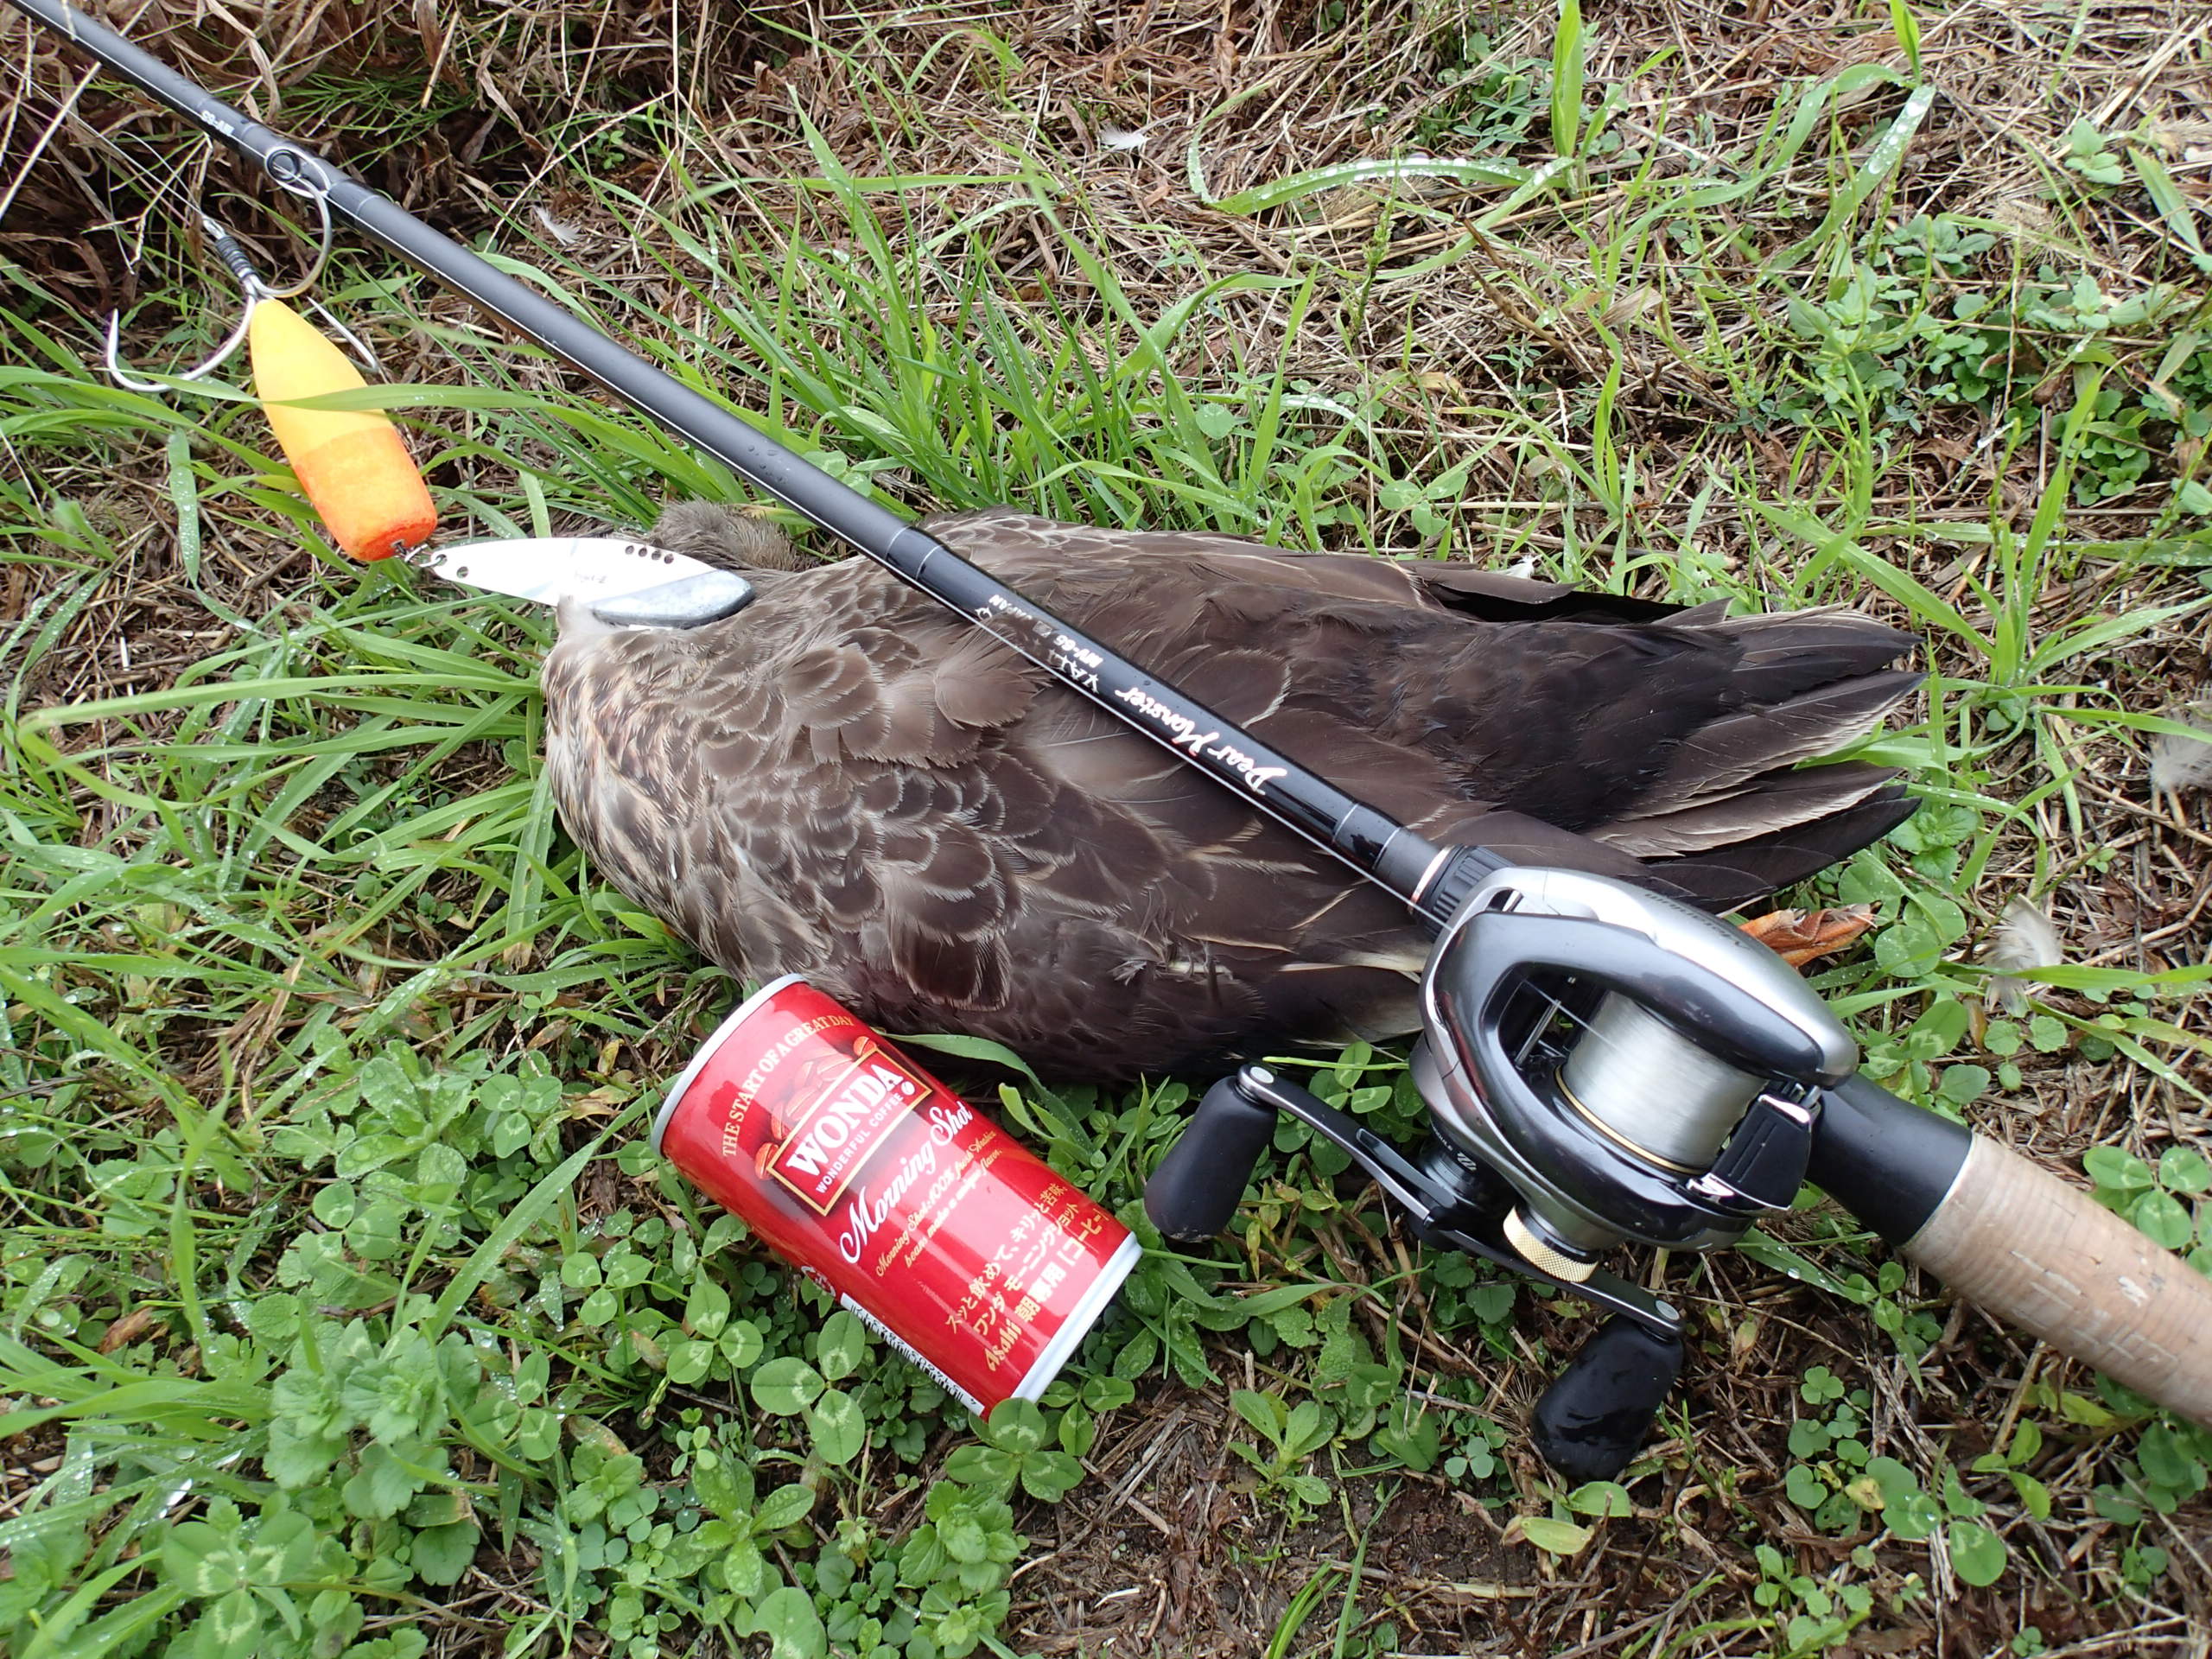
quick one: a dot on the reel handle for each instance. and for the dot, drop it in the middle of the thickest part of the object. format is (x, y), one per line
(1199, 1184)
(1597, 1415)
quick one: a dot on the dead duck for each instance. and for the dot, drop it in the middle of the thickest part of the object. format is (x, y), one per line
(845, 781)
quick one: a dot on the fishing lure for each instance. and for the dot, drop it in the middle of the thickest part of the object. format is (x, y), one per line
(351, 464)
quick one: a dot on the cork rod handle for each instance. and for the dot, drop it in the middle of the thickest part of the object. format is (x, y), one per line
(2023, 1244)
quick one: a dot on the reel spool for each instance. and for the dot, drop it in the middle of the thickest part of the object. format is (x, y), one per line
(1601, 1066)
(1636, 1069)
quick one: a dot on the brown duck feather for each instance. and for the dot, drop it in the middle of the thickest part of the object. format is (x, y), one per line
(846, 781)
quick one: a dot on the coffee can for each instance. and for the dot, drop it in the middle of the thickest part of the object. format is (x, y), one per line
(952, 1241)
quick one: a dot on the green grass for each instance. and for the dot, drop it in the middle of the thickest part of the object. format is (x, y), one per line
(338, 1283)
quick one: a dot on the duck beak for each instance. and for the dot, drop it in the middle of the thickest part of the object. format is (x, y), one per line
(622, 583)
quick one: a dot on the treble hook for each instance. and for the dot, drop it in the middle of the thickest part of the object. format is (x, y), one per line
(254, 288)
(250, 284)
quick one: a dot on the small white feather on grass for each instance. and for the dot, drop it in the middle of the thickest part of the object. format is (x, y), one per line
(560, 230)
(2182, 765)
(2026, 937)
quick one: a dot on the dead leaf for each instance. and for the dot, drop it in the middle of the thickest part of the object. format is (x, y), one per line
(1799, 937)
(128, 1329)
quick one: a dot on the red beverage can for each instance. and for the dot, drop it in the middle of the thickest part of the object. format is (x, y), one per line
(939, 1229)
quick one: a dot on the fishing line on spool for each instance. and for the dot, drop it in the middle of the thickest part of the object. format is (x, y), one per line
(1624, 1059)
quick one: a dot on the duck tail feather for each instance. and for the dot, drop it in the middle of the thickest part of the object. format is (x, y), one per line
(1787, 654)
(1817, 722)
(1755, 806)
(1726, 878)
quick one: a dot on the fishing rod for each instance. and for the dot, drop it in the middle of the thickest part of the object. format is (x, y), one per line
(1602, 1064)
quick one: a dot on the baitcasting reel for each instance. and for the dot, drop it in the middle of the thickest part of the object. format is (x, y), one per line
(1601, 1066)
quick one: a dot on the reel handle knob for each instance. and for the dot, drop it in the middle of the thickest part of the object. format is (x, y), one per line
(1598, 1413)
(1196, 1189)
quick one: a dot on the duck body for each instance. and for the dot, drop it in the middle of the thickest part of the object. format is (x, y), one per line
(846, 781)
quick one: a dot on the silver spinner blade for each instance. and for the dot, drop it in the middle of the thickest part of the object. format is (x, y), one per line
(550, 568)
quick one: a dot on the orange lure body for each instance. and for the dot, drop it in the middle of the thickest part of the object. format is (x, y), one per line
(351, 464)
